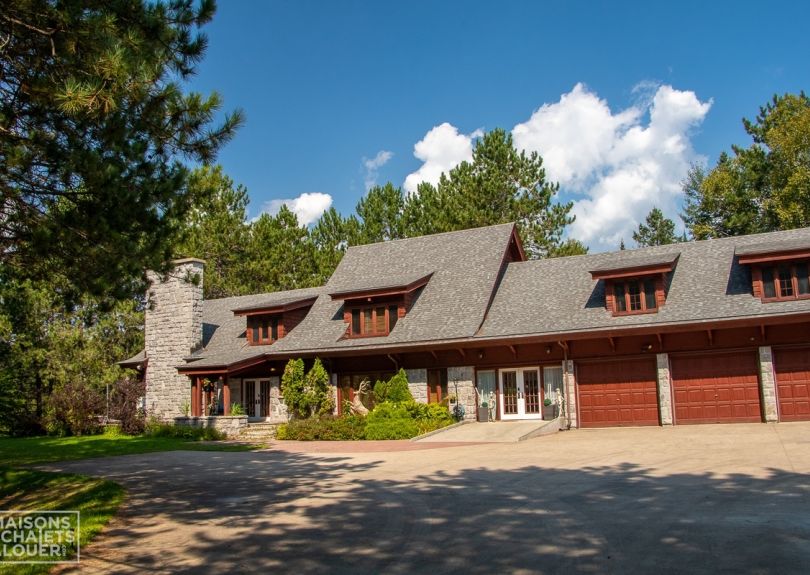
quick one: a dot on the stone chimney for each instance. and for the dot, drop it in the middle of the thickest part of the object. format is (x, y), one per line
(173, 329)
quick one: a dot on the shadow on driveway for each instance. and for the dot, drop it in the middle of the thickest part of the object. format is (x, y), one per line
(278, 511)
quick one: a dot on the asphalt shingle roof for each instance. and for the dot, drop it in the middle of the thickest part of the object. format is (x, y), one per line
(544, 297)
(774, 245)
(708, 284)
(623, 260)
(465, 267)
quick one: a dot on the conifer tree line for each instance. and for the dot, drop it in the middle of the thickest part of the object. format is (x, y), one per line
(108, 168)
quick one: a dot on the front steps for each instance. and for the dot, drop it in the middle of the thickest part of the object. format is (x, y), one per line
(259, 431)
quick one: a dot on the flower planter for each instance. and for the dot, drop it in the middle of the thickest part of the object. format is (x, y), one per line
(549, 412)
(483, 413)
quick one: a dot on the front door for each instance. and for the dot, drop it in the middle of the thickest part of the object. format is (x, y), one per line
(521, 395)
(256, 397)
(249, 398)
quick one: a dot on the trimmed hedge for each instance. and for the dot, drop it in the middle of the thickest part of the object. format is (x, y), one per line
(390, 421)
(157, 429)
(387, 420)
(325, 428)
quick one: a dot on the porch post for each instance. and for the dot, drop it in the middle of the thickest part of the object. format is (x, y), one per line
(195, 396)
(226, 396)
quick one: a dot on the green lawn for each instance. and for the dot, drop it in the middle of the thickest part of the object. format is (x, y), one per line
(97, 500)
(33, 450)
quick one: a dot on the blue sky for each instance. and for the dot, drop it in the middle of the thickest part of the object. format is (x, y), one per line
(618, 97)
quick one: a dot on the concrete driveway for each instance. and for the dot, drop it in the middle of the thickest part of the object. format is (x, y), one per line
(700, 499)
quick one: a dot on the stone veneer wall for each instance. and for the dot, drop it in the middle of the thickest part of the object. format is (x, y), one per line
(235, 383)
(664, 388)
(231, 425)
(767, 383)
(569, 381)
(417, 384)
(172, 330)
(461, 381)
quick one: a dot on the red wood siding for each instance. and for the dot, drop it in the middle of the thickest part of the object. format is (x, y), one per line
(618, 393)
(290, 319)
(792, 369)
(716, 388)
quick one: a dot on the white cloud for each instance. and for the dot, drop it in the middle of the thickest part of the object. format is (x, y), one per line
(308, 206)
(373, 166)
(441, 150)
(618, 165)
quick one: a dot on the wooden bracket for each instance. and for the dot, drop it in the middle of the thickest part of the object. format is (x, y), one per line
(433, 353)
(762, 331)
(660, 340)
(711, 336)
(612, 342)
(513, 349)
(462, 352)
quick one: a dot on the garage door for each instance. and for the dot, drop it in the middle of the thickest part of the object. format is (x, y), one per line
(793, 383)
(717, 388)
(617, 393)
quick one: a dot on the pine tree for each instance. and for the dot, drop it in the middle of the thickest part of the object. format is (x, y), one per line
(96, 133)
(657, 231)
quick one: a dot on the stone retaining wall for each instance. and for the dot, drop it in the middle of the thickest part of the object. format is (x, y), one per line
(230, 425)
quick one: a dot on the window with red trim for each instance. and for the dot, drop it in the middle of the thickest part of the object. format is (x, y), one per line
(784, 281)
(262, 330)
(372, 320)
(634, 295)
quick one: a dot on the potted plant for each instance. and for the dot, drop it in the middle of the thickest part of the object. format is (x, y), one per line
(549, 409)
(483, 412)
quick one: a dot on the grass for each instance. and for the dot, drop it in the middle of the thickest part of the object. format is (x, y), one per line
(97, 500)
(35, 450)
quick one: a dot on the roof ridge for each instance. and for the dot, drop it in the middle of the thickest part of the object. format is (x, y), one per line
(467, 230)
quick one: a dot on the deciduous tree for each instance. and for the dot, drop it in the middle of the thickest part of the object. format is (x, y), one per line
(763, 187)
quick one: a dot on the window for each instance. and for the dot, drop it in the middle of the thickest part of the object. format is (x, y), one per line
(375, 320)
(263, 330)
(784, 281)
(635, 295)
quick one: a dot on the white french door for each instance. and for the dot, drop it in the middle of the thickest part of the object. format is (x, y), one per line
(521, 394)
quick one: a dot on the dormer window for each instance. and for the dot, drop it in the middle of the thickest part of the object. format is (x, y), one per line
(634, 295)
(268, 322)
(373, 311)
(637, 284)
(262, 330)
(373, 320)
(779, 270)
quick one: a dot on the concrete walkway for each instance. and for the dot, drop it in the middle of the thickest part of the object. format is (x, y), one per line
(493, 432)
(699, 499)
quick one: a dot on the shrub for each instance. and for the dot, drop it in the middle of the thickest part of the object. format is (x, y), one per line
(394, 390)
(306, 395)
(428, 416)
(74, 409)
(327, 428)
(125, 405)
(237, 409)
(390, 421)
(159, 429)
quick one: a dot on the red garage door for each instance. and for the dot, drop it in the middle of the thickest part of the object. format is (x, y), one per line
(718, 388)
(617, 393)
(793, 383)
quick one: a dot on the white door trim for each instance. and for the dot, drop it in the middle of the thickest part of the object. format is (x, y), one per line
(521, 400)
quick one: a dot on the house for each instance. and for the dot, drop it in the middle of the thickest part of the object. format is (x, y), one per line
(700, 332)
